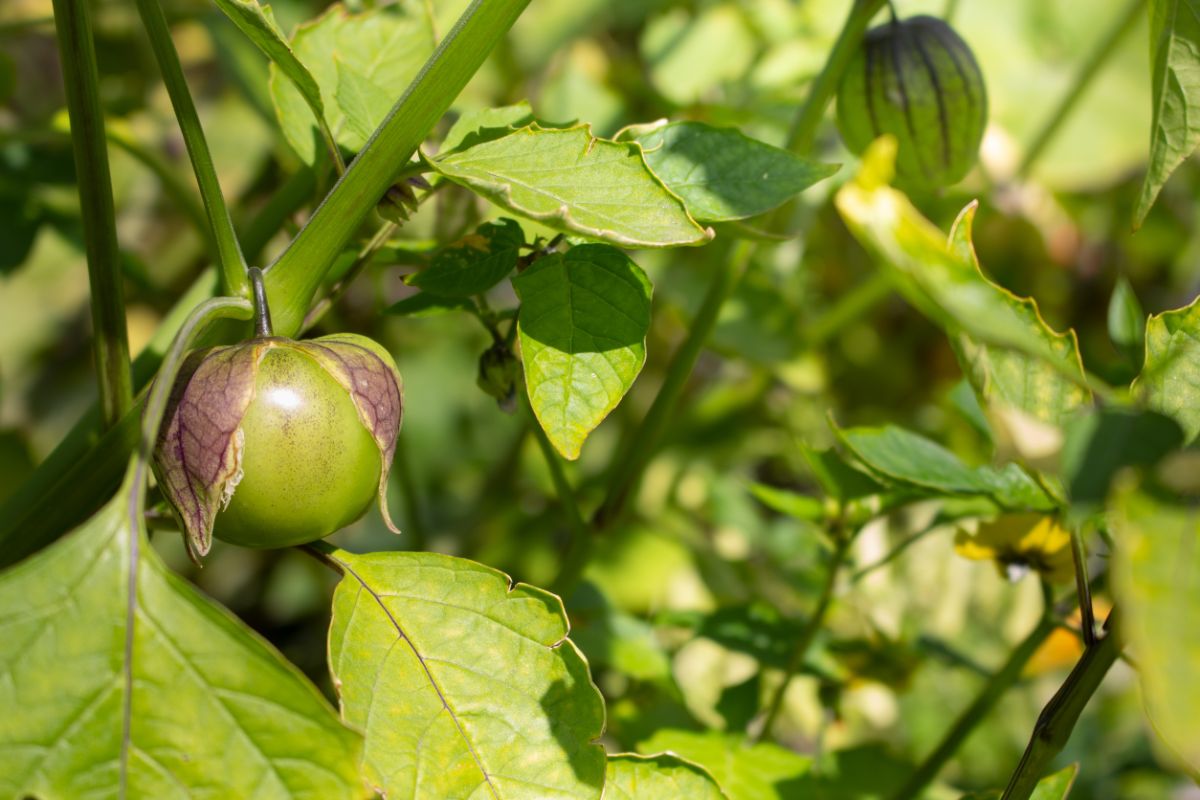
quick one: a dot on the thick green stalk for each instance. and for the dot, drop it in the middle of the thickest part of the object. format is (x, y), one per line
(1083, 79)
(808, 122)
(77, 50)
(293, 280)
(1000, 682)
(805, 639)
(229, 253)
(1058, 718)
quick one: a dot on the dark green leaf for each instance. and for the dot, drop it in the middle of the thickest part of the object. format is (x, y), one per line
(474, 264)
(722, 174)
(427, 305)
(582, 327)
(1101, 443)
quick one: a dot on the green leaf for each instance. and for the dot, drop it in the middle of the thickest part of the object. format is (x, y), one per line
(160, 690)
(904, 457)
(361, 64)
(573, 182)
(658, 777)
(722, 174)
(1175, 83)
(793, 504)
(1048, 388)
(258, 23)
(1008, 352)
(745, 771)
(474, 264)
(427, 305)
(1101, 443)
(475, 127)
(1127, 323)
(1170, 378)
(582, 326)
(464, 685)
(1157, 581)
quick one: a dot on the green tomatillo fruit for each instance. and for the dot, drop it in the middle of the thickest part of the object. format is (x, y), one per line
(917, 80)
(275, 442)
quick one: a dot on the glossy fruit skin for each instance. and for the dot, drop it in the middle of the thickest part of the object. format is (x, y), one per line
(309, 465)
(917, 80)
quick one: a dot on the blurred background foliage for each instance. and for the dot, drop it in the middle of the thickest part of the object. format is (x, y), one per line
(690, 607)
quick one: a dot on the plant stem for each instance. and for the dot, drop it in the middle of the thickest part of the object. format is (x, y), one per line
(805, 639)
(999, 683)
(1058, 718)
(262, 311)
(1083, 79)
(804, 129)
(229, 253)
(1087, 615)
(644, 440)
(77, 51)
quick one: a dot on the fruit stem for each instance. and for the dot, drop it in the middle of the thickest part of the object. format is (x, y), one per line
(262, 312)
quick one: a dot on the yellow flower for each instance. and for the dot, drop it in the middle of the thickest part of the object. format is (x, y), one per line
(1021, 542)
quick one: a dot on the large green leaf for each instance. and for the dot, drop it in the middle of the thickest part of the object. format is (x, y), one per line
(1170, 378)
(745, 771)
(122, 680)
(907, 458)
(1157, 582)
(658, 777)
(1044, 376)
(722, 174)
(1175, 83)
(573, 182)
(483, 125)
(1007, 377)
(362, 63)
(583, 323)
(465, 685)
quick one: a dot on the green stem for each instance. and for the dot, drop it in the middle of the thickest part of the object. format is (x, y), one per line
(808, 634)
(644, 440)
(804, 129)
(1083, 79)
(1058, 718)
(294, 278)
(1000, 682)
(77, 50)
(1087, 614)
(229, 253)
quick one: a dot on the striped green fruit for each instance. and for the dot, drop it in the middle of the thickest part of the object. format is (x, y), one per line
(917, 80)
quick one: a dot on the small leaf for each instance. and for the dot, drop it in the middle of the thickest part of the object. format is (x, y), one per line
(475, 127)
(573, 182)
(901, 456)
(582, 327)
(1008, 352)
(1175, 84)
(427, 305)
(658, 777)
(745, 771)
(362, 64)
(1101, 443)
(1156, 575)
(464, 685)
(1127, 323)
(146, 685)
(722, 174)
(1170, 378)
(793, 504)
(258, 23)
(475, 263)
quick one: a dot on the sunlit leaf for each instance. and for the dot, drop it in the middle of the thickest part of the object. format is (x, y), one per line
(122, 675)
(1175, 83)
(658, 777)
(1170, 378)
(722, 174)
(746, 771)
(905, 457)
(582, 327)
(1157, 582)
(573, 182)
(464, 685)
(474, 127)
(362, 63)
